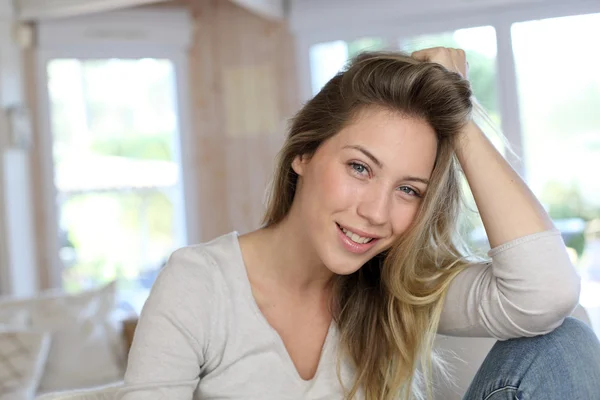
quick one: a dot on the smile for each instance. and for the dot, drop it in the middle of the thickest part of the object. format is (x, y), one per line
(356, 242)
(356, 238)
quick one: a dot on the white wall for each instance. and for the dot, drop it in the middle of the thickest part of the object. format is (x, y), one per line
(18, 274)
(44, 9)
(329, 19)
(22, 272)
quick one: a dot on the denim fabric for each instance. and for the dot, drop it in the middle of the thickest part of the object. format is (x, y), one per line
(562, 365)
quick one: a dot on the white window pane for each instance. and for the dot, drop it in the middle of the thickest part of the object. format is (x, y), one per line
(327, 59)
(114, 129)
(559, 87)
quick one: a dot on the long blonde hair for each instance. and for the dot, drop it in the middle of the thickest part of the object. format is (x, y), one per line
(388, 311)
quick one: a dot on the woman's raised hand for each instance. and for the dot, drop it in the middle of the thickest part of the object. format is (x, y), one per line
(454, 60)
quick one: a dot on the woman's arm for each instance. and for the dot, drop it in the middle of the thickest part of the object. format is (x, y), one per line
(530, 286)
(528, 289)
(508, 208)
(167, 352)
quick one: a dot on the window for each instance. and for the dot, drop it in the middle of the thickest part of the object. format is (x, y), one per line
(327, 59)
(116, 171)
(559, 91)
(550, 90)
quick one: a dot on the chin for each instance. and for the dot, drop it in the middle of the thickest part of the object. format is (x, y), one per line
(340, 265)
(346, 269)
(342, 262)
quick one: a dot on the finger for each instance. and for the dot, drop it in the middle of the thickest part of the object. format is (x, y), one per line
(459, 52)
(459, 61)
(426, 54)
(422, 55)
(462, 56)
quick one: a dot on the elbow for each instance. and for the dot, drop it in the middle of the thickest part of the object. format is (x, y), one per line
(561, 290)
(568, 297)
(537, 283)
(543, 309)
(558, 304)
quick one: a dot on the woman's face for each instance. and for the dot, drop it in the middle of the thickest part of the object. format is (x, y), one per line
(363, 187)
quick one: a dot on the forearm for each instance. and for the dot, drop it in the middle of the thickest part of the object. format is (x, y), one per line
(508, 208)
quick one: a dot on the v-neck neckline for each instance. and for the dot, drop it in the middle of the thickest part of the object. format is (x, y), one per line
(277, 339)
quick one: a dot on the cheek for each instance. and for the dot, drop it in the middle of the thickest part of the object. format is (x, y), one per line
(403, 216)
(336, 188)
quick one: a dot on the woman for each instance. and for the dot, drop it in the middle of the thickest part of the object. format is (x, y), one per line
(356, 269)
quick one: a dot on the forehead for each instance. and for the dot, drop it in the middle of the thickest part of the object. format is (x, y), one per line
(395, 139)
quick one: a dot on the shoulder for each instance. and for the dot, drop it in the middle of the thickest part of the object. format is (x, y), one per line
(196, 270)
(202, 260)
(189, 292)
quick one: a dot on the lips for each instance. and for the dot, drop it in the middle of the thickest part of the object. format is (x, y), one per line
(356, 242)
(355, 237)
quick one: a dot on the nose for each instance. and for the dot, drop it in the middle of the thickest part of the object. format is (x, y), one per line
(374, 206)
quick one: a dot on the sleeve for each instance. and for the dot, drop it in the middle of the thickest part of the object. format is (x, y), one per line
(528, 289)
(168, 349)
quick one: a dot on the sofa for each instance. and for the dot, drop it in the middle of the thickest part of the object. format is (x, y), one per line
(59, 346)
(58, 342)
(464, 355)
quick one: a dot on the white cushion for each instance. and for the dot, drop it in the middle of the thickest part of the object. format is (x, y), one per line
(18, 319)
(22, 358)
(85, 347)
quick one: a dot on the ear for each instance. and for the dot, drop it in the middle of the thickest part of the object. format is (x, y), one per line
(299, 164)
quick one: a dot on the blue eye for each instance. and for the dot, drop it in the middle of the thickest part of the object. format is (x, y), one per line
(358, 168)
(410, 191)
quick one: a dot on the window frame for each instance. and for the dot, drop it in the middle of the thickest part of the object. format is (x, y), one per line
(396, 27)
(74, 38)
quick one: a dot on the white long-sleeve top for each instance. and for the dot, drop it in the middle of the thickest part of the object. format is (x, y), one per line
(202, 336)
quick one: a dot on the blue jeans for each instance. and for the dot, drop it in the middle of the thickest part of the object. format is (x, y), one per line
(561, 365)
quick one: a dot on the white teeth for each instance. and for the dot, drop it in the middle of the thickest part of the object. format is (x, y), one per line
(356, 238)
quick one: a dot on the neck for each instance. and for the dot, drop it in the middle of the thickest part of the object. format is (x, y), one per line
(283, 254)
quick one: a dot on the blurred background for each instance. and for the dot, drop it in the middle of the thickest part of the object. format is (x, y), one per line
(133, 127)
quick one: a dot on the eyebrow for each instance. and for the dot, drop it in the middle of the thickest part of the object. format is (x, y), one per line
(366, 153)
(380, 165)
(416, 179)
